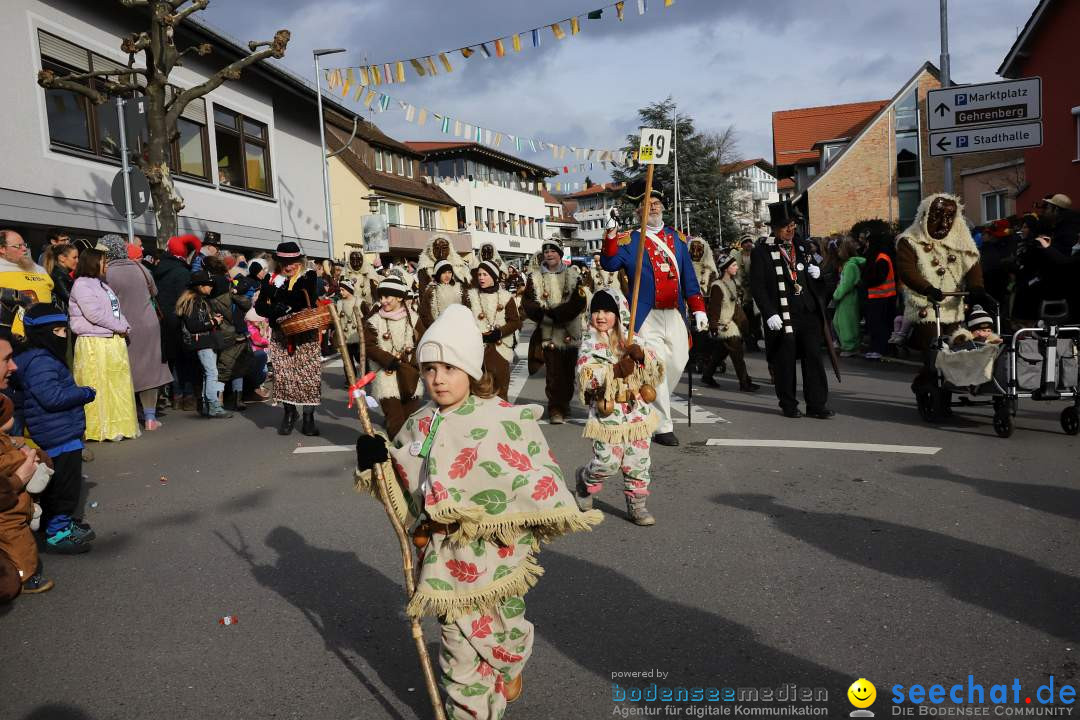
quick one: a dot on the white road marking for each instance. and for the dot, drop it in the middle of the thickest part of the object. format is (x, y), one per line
(818, 445)
(519, 373)
(700, 414)
(323, 449)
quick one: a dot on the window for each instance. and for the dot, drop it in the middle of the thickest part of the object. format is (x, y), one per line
(428, 218)
(907, 112)
(491, 221)
(408, 167)
(532, 228)
(73, 121)
(909, 196)
(378, 160)
(191, 150)
(243, 151)
(502, 222)
(994, 205)
(391, 211)
(478, 217)
(513, 224)
(400, 164)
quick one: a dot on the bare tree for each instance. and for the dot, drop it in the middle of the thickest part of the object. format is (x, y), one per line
(722, 146)
(163, 105)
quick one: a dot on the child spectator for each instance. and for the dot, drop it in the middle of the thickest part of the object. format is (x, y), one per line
(199, 327)
(51, 404)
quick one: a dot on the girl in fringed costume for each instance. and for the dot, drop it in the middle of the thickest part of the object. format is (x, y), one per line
(444, 290)
(617, 384)
(476, 478)
(497, 317)
(389, 338)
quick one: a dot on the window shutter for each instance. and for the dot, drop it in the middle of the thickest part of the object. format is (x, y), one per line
(195, 111)
(64, 52)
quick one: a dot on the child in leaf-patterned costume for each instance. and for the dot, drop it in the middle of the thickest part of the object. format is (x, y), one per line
(613, 377)
(476, 481)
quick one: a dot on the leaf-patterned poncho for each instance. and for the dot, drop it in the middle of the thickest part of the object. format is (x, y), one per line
(490, 471)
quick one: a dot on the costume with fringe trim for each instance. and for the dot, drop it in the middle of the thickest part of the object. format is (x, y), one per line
(490, 476)
(950, 264)
(705, 268)
(437, 297)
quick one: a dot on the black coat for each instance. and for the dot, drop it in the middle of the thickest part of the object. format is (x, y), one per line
(274, 303)
(171, 276)
(765, 281)
(62, 283)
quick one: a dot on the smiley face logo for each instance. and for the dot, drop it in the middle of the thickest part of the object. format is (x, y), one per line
(862, 693)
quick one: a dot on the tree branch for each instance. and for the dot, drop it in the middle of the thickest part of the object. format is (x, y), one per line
(202, 49)
(135, 42)
(48, 80)
(177, 18)
(232, 71)
(135, 3)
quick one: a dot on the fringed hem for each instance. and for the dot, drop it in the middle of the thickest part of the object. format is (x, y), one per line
(366, 482)
(623, 432)
(453, 606)
(733, 333)
(602, 375)
(474, 523)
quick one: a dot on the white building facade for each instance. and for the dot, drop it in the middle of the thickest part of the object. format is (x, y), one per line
(754, 187)
(593, 206)
(247, 162)
(500, 194)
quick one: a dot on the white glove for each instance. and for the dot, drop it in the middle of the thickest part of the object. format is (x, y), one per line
(813, 271)
(613, 219)
(701, 321)
(775, 323)
(279, 281)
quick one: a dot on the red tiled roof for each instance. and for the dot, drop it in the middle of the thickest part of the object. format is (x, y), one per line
(786, 184)
(597, 190)
(796, 131)
(732, 168)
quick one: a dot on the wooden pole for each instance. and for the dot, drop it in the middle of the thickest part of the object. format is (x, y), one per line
(645, 202)
(399, 529)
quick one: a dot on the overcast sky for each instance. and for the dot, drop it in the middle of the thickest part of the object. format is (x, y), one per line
(726, 62)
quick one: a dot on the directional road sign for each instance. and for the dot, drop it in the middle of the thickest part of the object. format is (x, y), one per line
(986, 139)
(999, 102)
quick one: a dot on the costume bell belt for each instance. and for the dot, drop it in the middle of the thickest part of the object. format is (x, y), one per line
(425, 529)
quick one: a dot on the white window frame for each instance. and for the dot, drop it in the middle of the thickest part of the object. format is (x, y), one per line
(378, 159)
(434, 224)
(1003, 195)
(384, 210)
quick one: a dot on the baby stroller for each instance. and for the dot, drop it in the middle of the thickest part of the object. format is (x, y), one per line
(1037, 363)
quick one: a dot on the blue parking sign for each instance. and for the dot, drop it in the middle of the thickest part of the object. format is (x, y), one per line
(961, 141)
(960, 98)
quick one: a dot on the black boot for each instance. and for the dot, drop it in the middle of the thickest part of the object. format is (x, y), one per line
(308, 428)
(204, 407)
(288, 421)
(238, 401)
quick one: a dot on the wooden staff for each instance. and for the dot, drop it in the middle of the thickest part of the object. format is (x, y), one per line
(399, 529)
(645, 202)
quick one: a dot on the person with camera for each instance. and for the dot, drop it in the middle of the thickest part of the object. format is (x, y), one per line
(26, 281)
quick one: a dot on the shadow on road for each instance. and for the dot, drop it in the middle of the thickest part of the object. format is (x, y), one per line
(1002, 582)
(352, 606)
(1051, 499)
(606, 622)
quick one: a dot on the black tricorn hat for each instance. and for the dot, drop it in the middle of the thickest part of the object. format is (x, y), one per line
(635, 190)
(781, 213)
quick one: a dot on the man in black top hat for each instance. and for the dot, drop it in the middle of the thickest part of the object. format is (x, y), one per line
(784, 281)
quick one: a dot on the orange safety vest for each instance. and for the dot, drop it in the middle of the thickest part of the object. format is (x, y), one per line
(887, 288)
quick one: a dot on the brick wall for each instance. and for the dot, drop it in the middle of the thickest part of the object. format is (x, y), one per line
(860, 184)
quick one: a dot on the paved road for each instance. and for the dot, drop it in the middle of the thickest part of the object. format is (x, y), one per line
(768, 566)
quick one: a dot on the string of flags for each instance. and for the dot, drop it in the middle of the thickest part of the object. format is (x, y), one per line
(566, 159)
(429, 65)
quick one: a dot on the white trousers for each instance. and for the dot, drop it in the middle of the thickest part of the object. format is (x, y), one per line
(664, 331)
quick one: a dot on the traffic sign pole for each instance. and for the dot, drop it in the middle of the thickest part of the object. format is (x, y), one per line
(126, 170)
(946, 81)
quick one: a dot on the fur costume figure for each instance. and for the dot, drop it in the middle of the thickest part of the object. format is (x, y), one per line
(701, 257)
(604, 280)
(949, 264)
(727, 320)
(555, 300)
(620, 422)
(365, 280)
(438, 296)
(496, 314)
(489, 253)
(390, 340)
(440, 248)
(484, 490)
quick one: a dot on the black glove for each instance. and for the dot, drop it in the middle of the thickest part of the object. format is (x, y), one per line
(394, 364)
(370, 451)
(935, 294)
(492, 337)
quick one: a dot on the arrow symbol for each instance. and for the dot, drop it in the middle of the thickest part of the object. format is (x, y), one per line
(943, 143)
(941, 109)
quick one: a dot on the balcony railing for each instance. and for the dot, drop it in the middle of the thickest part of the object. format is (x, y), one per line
(410, 237)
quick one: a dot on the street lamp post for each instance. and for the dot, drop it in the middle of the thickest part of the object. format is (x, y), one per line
(322, 144)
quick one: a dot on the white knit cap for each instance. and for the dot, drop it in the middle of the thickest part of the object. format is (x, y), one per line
(393, 285)
(454, 339)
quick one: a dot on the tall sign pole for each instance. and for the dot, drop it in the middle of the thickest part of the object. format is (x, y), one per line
(674, 142)
(653, 150)
(946, 81)
(126, 169)
(322, 144)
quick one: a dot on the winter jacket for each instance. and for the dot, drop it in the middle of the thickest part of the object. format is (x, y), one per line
(95, 310)
(62, 283)
(234, 354)
(200, 323)
(171, 276)
(51, 402)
